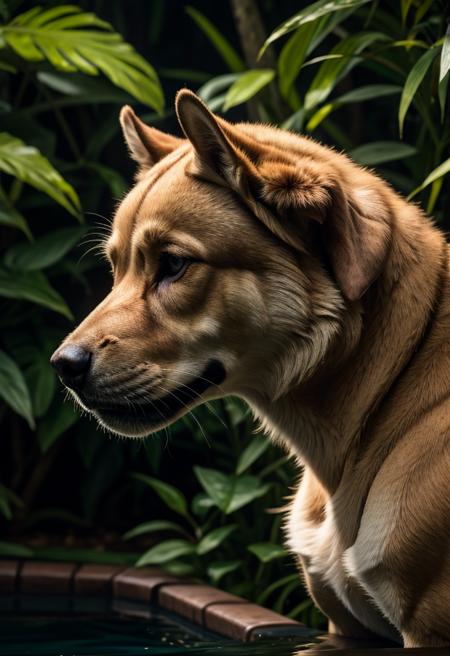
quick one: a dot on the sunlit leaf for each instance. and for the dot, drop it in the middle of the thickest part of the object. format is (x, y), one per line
(413, 81)
(247, 86)
(27, 164)
(13, 389)
(74, 40)
(166, 551)
(379, 152)
(311, 13)
(223, 47)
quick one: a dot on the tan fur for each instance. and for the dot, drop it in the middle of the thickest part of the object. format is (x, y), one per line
(326, 298)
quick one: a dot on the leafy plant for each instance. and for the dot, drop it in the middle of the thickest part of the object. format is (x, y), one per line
(39, 170)
(368, 77)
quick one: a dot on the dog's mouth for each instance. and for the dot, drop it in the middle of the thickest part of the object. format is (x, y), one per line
(137, 418)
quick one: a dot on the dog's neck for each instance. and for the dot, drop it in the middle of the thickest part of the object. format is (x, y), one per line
(322, 423)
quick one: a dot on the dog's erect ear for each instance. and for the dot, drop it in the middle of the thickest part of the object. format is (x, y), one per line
(147, 145)
(284, 189)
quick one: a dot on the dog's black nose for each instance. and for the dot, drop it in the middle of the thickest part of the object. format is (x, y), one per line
(72, 363)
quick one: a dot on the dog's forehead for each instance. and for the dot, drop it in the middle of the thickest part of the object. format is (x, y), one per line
(169, 198)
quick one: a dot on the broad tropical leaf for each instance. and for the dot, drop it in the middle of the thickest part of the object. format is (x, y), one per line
(247, 86)
(413, 81)
(73, 40)
(311, 13)
(13, 389)
(27, 164)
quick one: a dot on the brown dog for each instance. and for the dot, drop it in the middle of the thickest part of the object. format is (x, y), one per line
(255, 262)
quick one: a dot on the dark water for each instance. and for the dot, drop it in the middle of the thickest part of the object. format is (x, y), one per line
(106, 634)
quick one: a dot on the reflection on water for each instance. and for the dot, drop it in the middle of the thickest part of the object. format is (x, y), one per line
(49, 627)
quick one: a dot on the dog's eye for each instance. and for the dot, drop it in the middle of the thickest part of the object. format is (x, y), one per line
(171, 267)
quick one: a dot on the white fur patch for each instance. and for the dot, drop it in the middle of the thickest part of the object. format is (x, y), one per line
(319, 546)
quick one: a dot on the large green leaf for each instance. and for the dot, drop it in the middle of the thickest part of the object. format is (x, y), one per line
(74, 40)
(27, 164)
(311, 13)
(166, 551)
(247, 86)
(225, 49)
(343, 59)
(13, 389)
(413, 81)
(34, 287)
(437, 173)
(378, 152)
(43, 252)
(169, 494)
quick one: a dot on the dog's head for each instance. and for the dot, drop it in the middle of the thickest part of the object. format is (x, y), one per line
(235, 257)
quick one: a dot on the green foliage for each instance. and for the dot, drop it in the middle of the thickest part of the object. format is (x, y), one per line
(72, 40)
(367, 77)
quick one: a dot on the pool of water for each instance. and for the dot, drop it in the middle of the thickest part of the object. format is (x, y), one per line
(34, 631)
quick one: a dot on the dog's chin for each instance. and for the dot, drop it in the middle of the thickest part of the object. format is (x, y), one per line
(140, 420)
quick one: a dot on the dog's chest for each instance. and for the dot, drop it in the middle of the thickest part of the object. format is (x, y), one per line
(325, 561)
